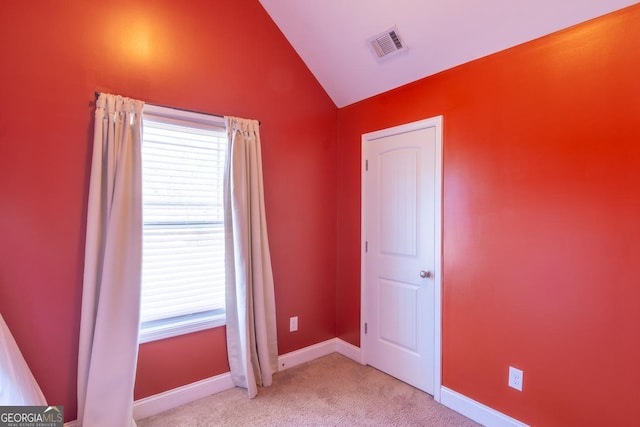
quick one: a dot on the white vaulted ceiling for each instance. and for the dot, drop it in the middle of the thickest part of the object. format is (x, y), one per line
(331, 35)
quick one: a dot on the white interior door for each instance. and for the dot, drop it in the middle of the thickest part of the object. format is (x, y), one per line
(402, 247)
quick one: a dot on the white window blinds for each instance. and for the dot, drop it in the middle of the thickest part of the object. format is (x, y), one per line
(183, 274)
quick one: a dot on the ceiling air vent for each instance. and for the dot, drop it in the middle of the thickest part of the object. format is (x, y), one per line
(387, 43)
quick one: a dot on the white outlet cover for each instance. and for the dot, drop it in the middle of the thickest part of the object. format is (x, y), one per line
(293, 324)
(516, 378)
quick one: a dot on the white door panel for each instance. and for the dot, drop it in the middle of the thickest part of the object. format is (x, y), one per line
(401, 191)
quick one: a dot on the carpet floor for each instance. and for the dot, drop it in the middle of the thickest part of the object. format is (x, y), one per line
(329, 391)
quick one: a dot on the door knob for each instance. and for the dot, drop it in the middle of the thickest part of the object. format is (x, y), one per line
(425, 274)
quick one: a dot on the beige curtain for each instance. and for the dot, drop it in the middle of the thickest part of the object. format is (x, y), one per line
(112, 268)
(251, 319)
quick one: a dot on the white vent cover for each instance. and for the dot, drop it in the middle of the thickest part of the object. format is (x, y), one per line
(387, 43)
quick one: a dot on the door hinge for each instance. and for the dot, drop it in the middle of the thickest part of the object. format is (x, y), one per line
(365, 328)
(366, 246)
(366, 165)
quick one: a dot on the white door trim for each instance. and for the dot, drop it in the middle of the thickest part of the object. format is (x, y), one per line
(366, 138)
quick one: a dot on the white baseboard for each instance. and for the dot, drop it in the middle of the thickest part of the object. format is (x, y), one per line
(348, 350)
(306, 354)
(476, 411)
(179, 396)
(153, 405)
(325, 348)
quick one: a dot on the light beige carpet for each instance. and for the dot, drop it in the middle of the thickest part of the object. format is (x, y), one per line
(330, 391)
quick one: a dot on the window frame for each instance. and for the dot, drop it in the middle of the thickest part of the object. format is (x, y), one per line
(184, 324)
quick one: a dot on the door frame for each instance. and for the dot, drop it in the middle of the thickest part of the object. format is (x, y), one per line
(366, 138)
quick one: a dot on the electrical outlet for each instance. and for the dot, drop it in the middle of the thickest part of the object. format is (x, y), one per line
(293, 324)
(516, 378)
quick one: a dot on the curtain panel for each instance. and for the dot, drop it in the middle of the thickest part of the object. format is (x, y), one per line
(113, 257)
(250, 303)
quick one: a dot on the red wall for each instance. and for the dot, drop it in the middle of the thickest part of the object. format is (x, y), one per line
(541, 199)
(224, 57)
(541, 221)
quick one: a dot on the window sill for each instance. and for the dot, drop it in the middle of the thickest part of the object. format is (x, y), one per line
(161, 329)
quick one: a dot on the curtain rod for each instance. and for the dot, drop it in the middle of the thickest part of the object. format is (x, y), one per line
(97, 94)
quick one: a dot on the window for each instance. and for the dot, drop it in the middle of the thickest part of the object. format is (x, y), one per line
(183, 266)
